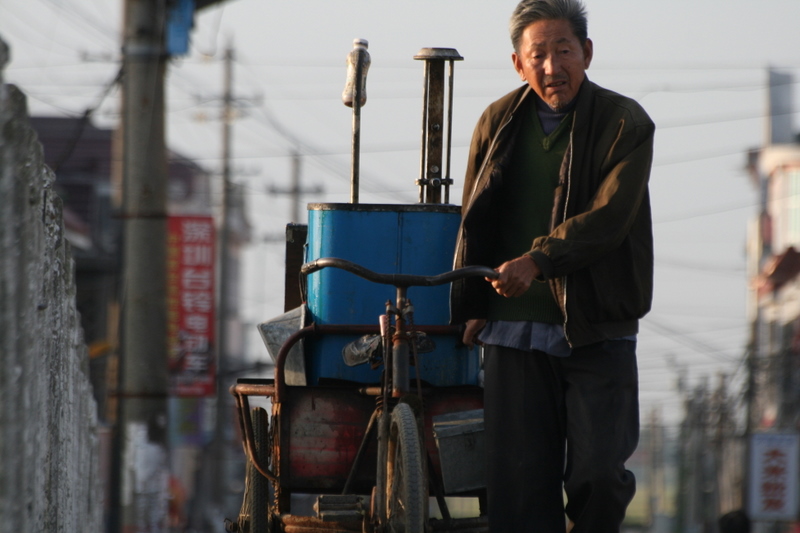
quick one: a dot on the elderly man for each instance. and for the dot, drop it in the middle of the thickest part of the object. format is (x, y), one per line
(556, 198)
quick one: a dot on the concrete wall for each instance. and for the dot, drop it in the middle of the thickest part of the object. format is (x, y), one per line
(48, 443)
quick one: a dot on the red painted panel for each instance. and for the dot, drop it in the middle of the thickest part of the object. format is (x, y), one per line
(322, 428)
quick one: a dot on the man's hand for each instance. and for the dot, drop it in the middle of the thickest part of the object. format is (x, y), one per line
(516, 276)
(474, 326)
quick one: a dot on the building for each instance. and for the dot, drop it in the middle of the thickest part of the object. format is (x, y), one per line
(774, 267)
(773, 394)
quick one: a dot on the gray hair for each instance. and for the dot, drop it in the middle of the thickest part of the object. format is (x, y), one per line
(529, 11)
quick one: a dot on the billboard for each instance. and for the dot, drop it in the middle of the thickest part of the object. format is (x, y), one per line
(190, 305)
(773, 491)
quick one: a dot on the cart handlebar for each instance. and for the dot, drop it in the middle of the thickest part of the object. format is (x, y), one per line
(398, 280)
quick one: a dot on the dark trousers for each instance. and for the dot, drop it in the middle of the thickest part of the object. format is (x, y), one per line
(560, 423)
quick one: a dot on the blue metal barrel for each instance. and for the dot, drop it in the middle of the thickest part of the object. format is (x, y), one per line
(408, 239)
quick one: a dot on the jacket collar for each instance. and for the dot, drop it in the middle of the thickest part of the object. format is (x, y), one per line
(582, 107)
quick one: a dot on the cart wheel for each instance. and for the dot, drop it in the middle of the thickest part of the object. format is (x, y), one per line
(406, 490)
(258, 491)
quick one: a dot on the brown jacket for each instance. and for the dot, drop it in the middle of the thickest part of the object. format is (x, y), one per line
(598, 257)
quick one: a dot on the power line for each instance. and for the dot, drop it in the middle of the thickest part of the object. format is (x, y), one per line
(86, 19)
(704, 267)
(708, 211)
(688, 341)
(84, 120)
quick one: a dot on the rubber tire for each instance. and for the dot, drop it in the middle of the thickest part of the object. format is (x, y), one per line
(259, 485)
(406, 490)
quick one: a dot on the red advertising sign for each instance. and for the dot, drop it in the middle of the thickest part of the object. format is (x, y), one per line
(190, 305)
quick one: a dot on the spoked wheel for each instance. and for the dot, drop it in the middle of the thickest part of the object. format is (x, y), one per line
(406, 490)
(257, 490)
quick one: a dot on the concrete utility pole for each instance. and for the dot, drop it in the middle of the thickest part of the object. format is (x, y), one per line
(295, 190)
(655, 469)
(142, 431)
(224, 307)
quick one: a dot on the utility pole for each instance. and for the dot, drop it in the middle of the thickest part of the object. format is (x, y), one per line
(295, 190)
(224, 307)
(749, 397)
(655, 479)
(142, 430)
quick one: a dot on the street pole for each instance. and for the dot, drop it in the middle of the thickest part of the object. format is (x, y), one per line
(223, 398)
(295, 190)
(143, 388)
(749, 396)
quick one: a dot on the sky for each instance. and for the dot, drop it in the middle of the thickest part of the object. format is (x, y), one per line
(699, 68)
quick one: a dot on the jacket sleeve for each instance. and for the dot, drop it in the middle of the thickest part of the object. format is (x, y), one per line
(477, 152)
(604, 223)
(468, 296)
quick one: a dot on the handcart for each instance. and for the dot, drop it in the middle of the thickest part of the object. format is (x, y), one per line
(373, 417)
(347, 440)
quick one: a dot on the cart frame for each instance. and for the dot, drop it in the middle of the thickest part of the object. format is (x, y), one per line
(321, 439)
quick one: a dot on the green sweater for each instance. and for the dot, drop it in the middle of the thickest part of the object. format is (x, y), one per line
(527, 197)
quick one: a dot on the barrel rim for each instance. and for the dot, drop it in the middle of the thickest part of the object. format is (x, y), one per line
(402, 208)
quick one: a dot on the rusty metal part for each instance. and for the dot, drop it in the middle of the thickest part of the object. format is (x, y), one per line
(400, 363)
(432, 177)
(283, 354)
(253, 389)
(312, 524)
(246, 426)
(462, 525)
(360, 453)
(340, 508)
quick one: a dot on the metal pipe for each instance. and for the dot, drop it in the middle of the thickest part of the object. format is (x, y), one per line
(356, 148)
(423, 152)
(447, 179)
(431, 178)
(355, 96)
(243, 409)
(280, 361)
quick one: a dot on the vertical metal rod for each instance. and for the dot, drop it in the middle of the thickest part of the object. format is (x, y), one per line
(400, 360)
(358, 62)
(447, 181)
(354, 172)
(424, 149)
(295, 188)
(433, 164)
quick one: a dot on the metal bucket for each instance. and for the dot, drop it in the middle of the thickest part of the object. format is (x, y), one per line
(462, 450)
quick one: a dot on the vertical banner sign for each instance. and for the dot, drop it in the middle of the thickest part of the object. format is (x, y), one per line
(190, 306)
(773, 491)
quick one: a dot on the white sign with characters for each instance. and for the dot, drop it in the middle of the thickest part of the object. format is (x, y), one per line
(773, 492)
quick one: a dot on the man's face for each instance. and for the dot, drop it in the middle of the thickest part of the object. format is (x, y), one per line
(552, 61)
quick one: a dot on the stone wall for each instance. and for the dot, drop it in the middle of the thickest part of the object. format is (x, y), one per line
(48, 424)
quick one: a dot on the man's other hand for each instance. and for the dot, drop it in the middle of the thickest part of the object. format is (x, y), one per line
(474, 326)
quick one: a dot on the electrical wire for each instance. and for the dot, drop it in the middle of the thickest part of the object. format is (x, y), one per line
(84, 120)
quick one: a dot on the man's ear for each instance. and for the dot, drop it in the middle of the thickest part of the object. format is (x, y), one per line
(588, 52)
(518, 65)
